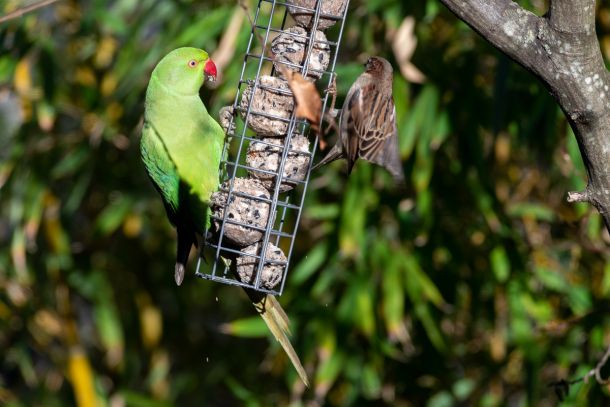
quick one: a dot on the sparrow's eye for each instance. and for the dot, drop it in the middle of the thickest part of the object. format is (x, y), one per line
(192, 63)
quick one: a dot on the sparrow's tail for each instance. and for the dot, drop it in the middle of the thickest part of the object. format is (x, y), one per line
(277, 321)
(334, 154)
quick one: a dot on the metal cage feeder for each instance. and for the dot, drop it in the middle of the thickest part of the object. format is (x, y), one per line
(248, 248)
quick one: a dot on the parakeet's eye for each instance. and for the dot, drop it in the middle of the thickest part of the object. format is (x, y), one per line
(192, 63)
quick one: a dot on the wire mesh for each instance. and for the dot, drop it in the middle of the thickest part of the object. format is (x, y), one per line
(265, 263)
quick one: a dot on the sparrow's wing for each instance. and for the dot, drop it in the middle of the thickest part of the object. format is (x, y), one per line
(377, 126)
(350, 125)
(377, 133)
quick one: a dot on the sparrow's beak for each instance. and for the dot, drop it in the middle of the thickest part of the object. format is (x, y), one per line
(209, 71)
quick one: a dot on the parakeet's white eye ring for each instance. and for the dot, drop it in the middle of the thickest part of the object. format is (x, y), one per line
(192, 63)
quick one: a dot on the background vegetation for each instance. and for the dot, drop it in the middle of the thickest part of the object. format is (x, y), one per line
(479, 285)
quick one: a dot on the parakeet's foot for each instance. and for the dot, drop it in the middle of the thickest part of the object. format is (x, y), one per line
(179, 273)
(227, 122)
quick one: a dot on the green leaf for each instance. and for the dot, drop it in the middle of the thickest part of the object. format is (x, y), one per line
(113, 215)
(580, 300)
(306, 267)
(109, 327)
(371, 381)
(252, 327)
(133, 399)
(463, 388)
(442, 399)
(416, 276)
(551, 279)
(393, 298)
(531, 210)
(356, 306)
(71, 164)
(329, 369)
(500, 263)
(241, 392)
(323, 212)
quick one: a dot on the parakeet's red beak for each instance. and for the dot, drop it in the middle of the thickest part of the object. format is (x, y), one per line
(210, 70)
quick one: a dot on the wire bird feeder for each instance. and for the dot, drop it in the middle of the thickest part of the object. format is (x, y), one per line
(267, 157)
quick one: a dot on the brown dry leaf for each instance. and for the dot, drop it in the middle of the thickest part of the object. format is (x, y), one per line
(307, 99)
(404, 44)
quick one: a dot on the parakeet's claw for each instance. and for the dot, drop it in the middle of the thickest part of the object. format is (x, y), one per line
(227, 122)
(179, 273)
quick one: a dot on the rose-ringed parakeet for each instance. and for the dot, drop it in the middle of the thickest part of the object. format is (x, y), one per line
(181, 148)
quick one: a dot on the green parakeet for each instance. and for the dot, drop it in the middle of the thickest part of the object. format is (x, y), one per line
(181, 148)
(181, 145)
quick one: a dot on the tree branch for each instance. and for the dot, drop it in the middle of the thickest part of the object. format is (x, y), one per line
(24, 10)
(562, 50)
(572, 16)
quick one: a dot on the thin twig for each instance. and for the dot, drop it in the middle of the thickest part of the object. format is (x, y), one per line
(600, 365)
(24, 10)
(562, 387)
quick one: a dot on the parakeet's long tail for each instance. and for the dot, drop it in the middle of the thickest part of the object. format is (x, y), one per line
(334, 154)
(186, 239)
(277, 321)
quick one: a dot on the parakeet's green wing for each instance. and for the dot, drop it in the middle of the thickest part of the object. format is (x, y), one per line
(195, 153)
(161, 170)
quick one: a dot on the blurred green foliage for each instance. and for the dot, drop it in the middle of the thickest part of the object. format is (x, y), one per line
(478, 285)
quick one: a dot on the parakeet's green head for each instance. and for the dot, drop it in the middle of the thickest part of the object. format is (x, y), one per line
(184, 70)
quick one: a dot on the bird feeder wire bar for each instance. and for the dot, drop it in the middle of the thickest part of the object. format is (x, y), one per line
(295, 35)
(255, 256)
(223, 171)
(325, 102)
(278, 183)
(278, 177)
(259, 198)
(269, 172)
(241, 141)
(274, 144)
(254, 227)
(308, 9)
(282, 162)
(281, 227)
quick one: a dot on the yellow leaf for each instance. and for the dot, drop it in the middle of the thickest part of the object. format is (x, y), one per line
(105, 52)
(114, 111)
(132, 225)
(151, 322)
(81, 377)
(23, 77)
(84, 75)
(108, 85)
